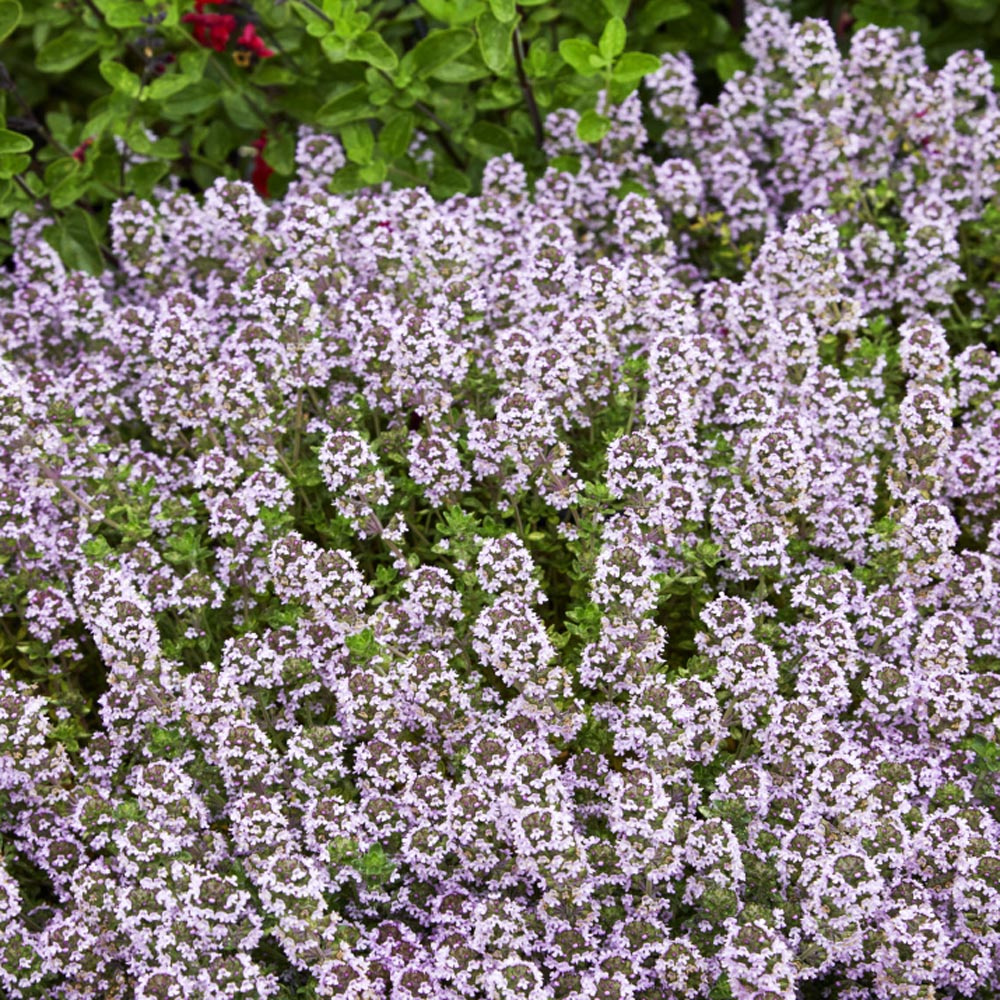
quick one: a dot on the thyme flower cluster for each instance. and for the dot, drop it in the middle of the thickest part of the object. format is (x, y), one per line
(581, 591)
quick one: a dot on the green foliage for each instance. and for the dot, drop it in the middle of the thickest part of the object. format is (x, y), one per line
(104, 99)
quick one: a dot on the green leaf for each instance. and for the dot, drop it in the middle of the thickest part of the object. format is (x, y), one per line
(10, 17)
(582, 55)
(448, 181)
(371, 48)
(359, 143)
(192, 100)
(123, 80)
(439, 48)
(374, 172)
(240, 112)
(488, 140)
(281, 153)
(495, 41)
(67, 50)
(69, 189)
(503, 10)
(396, 135)
(348, 106)
(143, 177)
(592, 126)
(14, 142)
(728, 64)
(612, 42)
(124, 14)
(76, 238)
(616, 8)
(347, 178)
(12, 164)
(632, 66)
(166, 86)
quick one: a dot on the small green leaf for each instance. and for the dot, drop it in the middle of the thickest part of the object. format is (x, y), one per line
(632, 66)
(10, 17)
(76, 237)
(192, 100)
(166, 86)
(124, 14)
(728, 64)
(143, 177)
(612, 41)
(14, 142)
(495, 41)
(616, 8)
(582, 55)
(12, 164)
(281, 153)
(374, 172)
(592, 126)
(67, 50)
(488, 140)
(240, 112)
(371, 48)
(347, 106)
(503, 10)
(123, 80)
(438, 48)
(359, 143)
(396, 135)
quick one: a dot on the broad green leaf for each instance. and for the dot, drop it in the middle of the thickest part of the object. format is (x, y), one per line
(453, 12)
(13, 163)
(347, 178)
(69, 189)
(374, 172)
(359, 143)
(616, 8)
(612, 41)
(438, 48)
(67, 50)
(448, 181)
(123, 80)
(76, 238)
(488, 140)
(270, 72)
(633, 66)
(10, 17)
(465, 69)
(348, 106)
(394, 139)
(728, 64)
(124, 14)
(14, 142)
(503, 10)
(495, 41)
(166, 86)
(582, 55)
(143, 177)
(240, 112)
(192, 100)
(281, 153)
(592, 126)
(371, 48)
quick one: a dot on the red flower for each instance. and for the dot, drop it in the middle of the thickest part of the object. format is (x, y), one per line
(211, 30)
(80, 153)
(262, 170)
(251, 40)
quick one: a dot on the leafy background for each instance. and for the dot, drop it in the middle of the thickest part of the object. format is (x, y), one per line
(107, 98)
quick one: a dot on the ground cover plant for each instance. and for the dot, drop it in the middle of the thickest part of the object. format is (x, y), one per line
(586, 589)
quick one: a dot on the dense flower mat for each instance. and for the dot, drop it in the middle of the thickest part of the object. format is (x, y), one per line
(491, 599)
